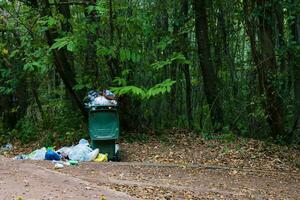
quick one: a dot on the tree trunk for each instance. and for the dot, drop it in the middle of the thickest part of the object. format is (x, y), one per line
(273, 102)
(62, 66)
(91, 67)
(34, 87)
(209, 75)
(296, 68)
(251, 32)
(186, 67)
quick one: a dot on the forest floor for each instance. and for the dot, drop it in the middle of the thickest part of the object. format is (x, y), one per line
(179, 166)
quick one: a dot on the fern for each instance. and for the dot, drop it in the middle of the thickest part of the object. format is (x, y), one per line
(161, 88)
(131, 90)
(158, 89)
(64, 42)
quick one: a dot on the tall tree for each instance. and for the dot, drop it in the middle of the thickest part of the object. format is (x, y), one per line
(295, 31)
(186, 67)
(62, 66)
(209, 75)
(269, 68)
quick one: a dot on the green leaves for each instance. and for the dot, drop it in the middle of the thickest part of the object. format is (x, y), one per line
(52, 21)
(164, 43)
(158, 89)
(161, 88)
(3, 2)
(31, 66)
(129, 55)
(106, 51)
(130, 90)
(64, 42)
(176, 57)
(83, 82)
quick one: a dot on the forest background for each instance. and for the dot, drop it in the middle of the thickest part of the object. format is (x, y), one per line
(225, 67)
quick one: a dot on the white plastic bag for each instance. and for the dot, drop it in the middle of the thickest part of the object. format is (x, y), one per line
(39, 154)
(101, 101)
(65, 151)
(80, 152)
(92, 155)
(84, 141)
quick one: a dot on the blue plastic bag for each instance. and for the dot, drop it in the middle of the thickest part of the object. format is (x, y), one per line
(52, 155)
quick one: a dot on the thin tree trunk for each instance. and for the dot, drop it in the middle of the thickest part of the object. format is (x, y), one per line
(209, 75)
(91, 56)
(62, 66)
(296, 68)
(36, 96)
(186, 67)
(273, 102)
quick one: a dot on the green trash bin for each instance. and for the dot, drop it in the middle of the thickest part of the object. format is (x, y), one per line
(104, 128)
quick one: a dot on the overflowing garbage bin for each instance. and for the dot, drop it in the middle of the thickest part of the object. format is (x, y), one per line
(104, 129)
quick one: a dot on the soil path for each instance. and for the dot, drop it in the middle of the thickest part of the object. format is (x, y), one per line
(29, 181)
(38, 180)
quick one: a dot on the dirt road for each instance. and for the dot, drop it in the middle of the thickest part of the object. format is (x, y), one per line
(29, 181)
(38, 180)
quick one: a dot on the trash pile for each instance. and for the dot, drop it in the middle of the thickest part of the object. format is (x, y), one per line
(6, 148)
(103, 98)
(66, 155)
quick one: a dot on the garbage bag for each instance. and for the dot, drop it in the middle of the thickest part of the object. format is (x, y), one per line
(84, 141)
(80, 152)
(102, 101)
(7, 147)
(52, 155)
(38, 154)
(108, 95)
(92, 155)
(64, 152)
(101, 158)
(92, 95)
(21, 157)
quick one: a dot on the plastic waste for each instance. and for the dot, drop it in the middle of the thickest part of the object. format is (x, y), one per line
(21, 157)
(92, 155)
(73, 162)
(108, 93)
(117, 148)
(38, 154)
(61, 162)
(51, 148)
(80, 152)
(102, 101)
(7, 147)
(84, 141)
(95, 99)
(52, 155)
(101, 158)
(64, 152)
(92, 95)
(58, 166)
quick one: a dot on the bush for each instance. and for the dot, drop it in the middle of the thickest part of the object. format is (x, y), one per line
(25, 131)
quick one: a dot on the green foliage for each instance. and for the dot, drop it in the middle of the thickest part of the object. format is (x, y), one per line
(26, 131)
(141, 50)
(158, 89)
(64, 42)
(130, 90)
(176, 57)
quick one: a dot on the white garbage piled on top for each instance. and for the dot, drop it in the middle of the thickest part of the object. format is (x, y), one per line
(103, 98)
